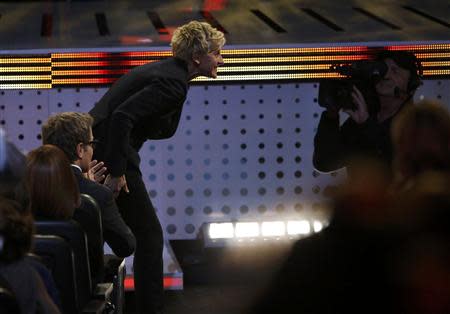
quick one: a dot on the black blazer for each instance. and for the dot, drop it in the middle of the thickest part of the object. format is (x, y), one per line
(115, 232)
(143, 104)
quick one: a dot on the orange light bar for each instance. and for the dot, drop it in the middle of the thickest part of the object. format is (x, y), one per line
(9, 60)
(25, 69)
(260, 64)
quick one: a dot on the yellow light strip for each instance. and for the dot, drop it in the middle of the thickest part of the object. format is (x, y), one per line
(25, 77)
(26, 69)
(25, 86)
(436, 72)
(435, 63)
(24, 60)
(433, 55)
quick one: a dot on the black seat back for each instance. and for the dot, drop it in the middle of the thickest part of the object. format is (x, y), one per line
(88, 215)
(57, 254)
(72, 232)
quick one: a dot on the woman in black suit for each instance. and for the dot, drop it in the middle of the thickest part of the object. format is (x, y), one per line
(146, 103)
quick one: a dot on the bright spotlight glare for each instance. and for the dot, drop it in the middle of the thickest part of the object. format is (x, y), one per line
(247, 229)
(273, 228)
(317, 226)
(221, 230)
(296, 227)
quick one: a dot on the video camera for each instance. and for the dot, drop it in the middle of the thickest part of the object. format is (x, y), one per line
(364, 74)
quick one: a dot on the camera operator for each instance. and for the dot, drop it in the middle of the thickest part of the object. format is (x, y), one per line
(366, 132)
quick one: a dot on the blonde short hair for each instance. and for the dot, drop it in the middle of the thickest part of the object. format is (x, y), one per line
(196, 38)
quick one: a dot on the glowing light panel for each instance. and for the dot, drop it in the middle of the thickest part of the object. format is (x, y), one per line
(78, 69)
(221, 230)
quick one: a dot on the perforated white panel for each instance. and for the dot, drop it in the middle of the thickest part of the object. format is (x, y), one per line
(241, 152)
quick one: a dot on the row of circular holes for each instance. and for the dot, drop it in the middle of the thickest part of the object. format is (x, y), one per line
(244, 175)
(205, 87)
(226, 161)
(243, 192)
(243, 101)
(243, 209)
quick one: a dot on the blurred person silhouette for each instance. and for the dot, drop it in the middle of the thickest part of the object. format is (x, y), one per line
(12, 170)
(341, 269)
(421, 140)
(72, 133)
(366, 132)
(16, 231)
(54, 195)
(146, 104)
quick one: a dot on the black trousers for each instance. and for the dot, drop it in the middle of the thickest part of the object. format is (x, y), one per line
(139, 214)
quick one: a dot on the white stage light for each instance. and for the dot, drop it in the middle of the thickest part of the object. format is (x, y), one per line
(273, 228)
(221, 230)
(297, 227)
(317, 226)
(247, 229)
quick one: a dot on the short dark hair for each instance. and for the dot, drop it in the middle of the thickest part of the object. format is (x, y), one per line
(16, 231)
(66, 130)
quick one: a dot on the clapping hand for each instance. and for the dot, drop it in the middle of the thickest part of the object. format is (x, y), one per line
(96, 171)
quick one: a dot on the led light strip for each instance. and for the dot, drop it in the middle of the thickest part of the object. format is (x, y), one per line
(295, 64)
(265, 229)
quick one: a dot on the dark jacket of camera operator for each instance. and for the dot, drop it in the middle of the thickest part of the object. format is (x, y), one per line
(365, 135)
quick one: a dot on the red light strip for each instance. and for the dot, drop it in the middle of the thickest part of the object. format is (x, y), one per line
(169, 283)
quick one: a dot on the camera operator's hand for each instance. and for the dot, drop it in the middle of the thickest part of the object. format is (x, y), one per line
(360, 114)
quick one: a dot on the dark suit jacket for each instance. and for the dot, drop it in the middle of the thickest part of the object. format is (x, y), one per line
(115, 232)
(143, 104)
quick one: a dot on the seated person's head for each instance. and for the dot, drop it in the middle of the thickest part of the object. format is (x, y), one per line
(51, 184)
(199, 44)
(421, 139)
(15, 232)
(402, 77)
(12, 170)
(72, 133)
